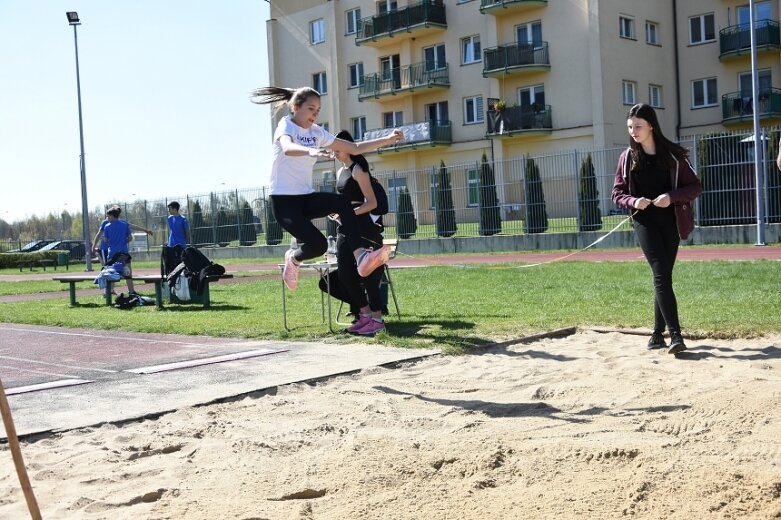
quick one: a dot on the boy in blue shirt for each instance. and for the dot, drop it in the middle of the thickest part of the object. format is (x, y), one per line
(116, 234)
(178, 227)
(103, 246)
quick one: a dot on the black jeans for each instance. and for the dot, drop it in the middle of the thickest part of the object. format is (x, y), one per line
(659, 240)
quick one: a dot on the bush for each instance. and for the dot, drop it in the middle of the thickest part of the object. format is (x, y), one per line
(15, 259)
(490, 217)
(446, 215)
(200, 230)
(536, 215)
(590, 214)
(247, 235)
(406, 224)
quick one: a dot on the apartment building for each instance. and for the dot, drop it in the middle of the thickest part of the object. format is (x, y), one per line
(506, 78)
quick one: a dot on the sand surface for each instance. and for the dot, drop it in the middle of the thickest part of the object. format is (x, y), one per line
(591, 426)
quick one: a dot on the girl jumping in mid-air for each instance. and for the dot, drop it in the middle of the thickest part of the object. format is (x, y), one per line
(298, 142)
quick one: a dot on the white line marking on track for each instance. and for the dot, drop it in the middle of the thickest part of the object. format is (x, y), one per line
(101, 336)
(31, 371)
(46, 386)
(204, 361)
(26, 360)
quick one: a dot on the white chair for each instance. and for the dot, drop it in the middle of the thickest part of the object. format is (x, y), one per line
(386, 279)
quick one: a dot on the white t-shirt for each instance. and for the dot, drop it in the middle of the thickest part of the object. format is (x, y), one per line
(292, 175)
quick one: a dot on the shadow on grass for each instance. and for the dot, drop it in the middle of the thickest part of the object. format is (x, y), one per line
(199, 308)
(429, 330)
(494, 410)
(701, 352)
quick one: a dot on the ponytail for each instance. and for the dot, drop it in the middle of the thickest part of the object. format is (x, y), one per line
(281, 95)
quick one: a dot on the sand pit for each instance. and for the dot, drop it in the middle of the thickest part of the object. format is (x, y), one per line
(589, 426)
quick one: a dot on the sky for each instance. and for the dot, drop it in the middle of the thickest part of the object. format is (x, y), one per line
(165, 101)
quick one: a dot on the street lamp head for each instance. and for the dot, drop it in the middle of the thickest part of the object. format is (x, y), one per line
(73, 18)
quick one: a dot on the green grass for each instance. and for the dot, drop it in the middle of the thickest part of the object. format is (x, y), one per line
(457, 306)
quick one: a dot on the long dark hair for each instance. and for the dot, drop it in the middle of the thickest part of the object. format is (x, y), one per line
(279, 96)
(664, 147)
(359, 159)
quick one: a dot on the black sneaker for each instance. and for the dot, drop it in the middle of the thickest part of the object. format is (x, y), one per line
(676, 343)
(656, 341)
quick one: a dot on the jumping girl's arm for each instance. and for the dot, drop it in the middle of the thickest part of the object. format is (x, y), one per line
(340, 145)
(364, 181)
(292, 149)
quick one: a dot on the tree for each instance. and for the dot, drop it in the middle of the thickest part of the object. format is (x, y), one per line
(490, 217)
(223, 227)
(590, 214)
(273, 229)
(446, 215)
(406, 224)
(247, 235)
(200, 230)
(536, 214)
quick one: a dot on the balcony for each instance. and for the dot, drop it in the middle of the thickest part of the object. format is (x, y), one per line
(498, 7)
(736, 108)
(735, 41)
(416, 20)
(403, 82)
(416, 135)
(519, 120)
(515, 58)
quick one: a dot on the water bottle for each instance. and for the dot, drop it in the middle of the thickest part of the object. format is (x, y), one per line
(330, 254)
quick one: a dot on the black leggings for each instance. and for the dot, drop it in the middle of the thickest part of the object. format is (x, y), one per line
(659, 241)
(295, 214)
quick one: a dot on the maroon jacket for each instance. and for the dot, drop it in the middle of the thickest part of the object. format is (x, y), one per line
(685, 188)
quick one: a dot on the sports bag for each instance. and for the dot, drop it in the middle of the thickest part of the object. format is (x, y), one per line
(381, 196)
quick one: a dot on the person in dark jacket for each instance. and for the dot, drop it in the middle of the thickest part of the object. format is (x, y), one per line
(656, 182)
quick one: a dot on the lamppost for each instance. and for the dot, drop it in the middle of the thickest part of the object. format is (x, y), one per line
(73, 19)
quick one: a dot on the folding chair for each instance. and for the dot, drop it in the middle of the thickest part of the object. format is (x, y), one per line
(392, 243)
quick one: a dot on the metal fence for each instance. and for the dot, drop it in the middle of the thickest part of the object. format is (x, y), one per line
(554, 193)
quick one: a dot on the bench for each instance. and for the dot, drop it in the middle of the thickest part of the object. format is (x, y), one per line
(155, 279)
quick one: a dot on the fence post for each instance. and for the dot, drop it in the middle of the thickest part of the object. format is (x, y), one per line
(578, 195)
(695, 164)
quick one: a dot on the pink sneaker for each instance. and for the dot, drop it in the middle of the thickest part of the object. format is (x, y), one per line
(372, 328)
(363, 320)
(371, 260)
(290, 273)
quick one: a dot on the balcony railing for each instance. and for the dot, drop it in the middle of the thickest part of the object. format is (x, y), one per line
(519, 119)
(423, 133)
(736, 40)
(496, 6)
(736, 107)
(514, 58)
(404, 79)
(418, 16)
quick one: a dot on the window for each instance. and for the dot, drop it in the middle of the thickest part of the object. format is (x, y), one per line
(472, 188)
(655, 96)
(316, 31)
(629, 88)
(359, 127)
(704, 93)
(353, 17)
(434, 57)
(532, 96)
(529, 33)
(386, 6)
(434, 184)
(762, 11)
(438, 113)
(390, 69)
(702, 29)
(763, 80)
(320, 83)
(392, 119)
(652, 33)
(627, 27)
(473, 110)
(395, 185)
(470, 50)
(356, 75)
